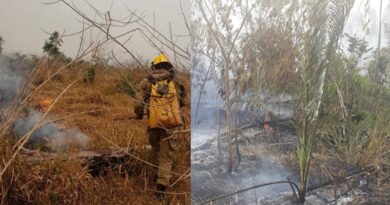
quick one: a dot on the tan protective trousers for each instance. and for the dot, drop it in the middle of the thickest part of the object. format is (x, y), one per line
(162, 153)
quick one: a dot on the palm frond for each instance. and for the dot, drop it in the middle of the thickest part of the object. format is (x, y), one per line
(326, 25)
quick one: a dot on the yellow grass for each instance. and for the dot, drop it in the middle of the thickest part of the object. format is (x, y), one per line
(65, 181)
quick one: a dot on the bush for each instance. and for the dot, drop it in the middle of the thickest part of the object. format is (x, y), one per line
(91, 73)
(126, 86)
(1, 44)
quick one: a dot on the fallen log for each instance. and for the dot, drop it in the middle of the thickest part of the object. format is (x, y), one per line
(97, 163)
(261, 123)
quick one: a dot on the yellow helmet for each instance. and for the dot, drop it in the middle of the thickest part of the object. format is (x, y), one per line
(161, 58)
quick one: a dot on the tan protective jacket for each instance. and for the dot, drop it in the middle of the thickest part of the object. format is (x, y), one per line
(146, 86)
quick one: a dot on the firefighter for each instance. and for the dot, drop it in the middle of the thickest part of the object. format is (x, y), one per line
(162, 143)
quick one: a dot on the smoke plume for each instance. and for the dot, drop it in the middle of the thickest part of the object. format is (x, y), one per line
(9, 83)
(49, 136)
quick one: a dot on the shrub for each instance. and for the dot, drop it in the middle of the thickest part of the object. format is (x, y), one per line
(91, 73)
(126, 86)
(1, 44)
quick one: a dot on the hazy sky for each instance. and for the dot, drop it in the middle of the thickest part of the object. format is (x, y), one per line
(356, 20)
(22, 23)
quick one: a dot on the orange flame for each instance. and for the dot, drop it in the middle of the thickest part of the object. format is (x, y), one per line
(43, 104)
(268, 128)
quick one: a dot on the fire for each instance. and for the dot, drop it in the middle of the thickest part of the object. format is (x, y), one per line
(45, 103)
(268, 129)
(42, 103)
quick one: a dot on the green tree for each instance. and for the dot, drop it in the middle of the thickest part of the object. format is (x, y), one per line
(379, 69)
(52, 46)
(1, 44)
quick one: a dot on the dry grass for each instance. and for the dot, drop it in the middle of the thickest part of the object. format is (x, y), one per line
(65, 181)
(339, 153)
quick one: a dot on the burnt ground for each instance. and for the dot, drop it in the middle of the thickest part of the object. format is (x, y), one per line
(267, 155)
(259, 164)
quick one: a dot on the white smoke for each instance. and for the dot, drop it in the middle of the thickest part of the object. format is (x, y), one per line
(209, 159)
(49, 135)
(9, 83)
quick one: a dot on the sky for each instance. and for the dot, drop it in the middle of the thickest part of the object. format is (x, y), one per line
(23, 24)
(356, 21)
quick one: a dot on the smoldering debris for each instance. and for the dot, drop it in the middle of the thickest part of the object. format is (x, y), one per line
(49, 136)
(210, 178)
(254, 162)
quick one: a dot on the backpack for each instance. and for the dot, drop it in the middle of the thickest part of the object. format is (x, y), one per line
(164, 110)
